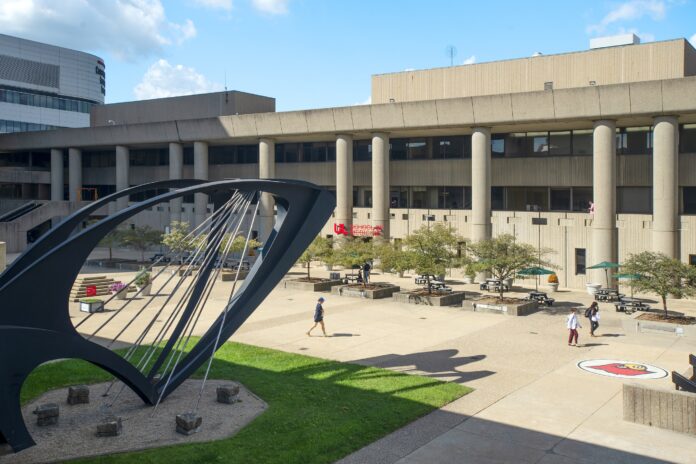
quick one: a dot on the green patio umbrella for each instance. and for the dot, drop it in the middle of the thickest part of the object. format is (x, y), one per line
(606, 265)
(535, 271)
(625, 276)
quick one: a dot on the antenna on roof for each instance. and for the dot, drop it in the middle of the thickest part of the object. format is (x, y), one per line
(451, 51)
(226, 101)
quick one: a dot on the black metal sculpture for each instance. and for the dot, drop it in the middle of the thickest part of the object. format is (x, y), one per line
(35, 326)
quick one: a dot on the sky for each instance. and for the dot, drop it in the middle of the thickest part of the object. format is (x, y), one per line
(319, 53)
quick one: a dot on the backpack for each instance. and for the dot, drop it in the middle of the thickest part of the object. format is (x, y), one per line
(588, 312)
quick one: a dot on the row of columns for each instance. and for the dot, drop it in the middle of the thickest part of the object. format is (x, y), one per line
(604, 231)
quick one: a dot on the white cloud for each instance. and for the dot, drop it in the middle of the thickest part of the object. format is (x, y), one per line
(368, 101)
(470, 60)
(128, 29)
(216, 4)
(629, 11)
(693, 40)
(165, 80)
(271, 6)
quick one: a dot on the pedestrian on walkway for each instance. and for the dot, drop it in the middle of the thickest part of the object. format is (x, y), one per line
(366, 272)
(318, 316)
(594, 318)
(573, 324)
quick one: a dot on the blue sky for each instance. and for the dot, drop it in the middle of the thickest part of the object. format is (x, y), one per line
(319, 53)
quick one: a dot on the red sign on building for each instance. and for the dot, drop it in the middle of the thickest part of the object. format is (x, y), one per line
(358, 230)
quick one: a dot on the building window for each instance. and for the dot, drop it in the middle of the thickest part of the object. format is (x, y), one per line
(539, 142)
(362, 150)
(634, 141)
(497, 198)
(687, 139)
(689, 200)
(516, 145)
(498, 145)
(559, 143)
(692, 260)
(450, 198)
(417, 149)
(560, 199)
(455, 147)
(582, 196)
(397, 149)
(579, 261)
(634, 200)
(582, 142)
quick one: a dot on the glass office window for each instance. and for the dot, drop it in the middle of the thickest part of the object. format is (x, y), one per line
(689, 200)
(560, 199)
(634, 200)
(419, 197)
(417, 149)
(582, 196)
(455, 147)
(539, 142)
(398, 149)
(580, 260)
(687, 139)
(582, 142)
(559, 143)
(498, 145)
(638, 141)
(537, 199)
(497, 198)
(450, 197)
(516, 144)
(398, 197)
(362, 150)
(247, 154)
(467, 197)
(222, 154)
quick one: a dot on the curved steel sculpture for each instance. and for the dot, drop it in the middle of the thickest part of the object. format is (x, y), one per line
(35, 326)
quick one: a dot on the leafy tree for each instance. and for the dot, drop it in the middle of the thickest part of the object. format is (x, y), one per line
(111, 240)
(312, 252)
(503, 257)
(325, 250)
(238, 244)
(433, 249)
(353, 252)
(660, 274)
(177, 239)
(393, 257)
(140, 239)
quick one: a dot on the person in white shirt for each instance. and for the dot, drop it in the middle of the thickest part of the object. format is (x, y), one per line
(573, 324)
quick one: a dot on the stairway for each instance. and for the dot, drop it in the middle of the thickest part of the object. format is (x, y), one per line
(79, 289)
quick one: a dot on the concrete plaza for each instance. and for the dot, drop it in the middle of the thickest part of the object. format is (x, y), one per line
(531, 402)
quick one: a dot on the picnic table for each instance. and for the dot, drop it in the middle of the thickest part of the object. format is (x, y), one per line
(439, 285)
(350, 278)
(541, 298)
(608, 294)
(629, 305)
(423, 279)
(493, 285)
(160, 257)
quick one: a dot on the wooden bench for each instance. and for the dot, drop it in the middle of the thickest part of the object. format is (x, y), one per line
(682, 383)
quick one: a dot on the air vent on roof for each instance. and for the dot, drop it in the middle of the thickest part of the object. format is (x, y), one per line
(614, 41)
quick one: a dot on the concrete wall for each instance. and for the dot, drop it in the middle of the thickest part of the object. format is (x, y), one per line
(666, 409)
(208, 105)
(613, 65)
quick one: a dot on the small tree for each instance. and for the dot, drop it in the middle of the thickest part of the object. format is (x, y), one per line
(393, 258)
(325, 251)
(433, 250)
(311, 253)
(354, 252)
(111, 240)
(660, 274)
(238, 244)
(176, 239)
(141, 238)
(503, 257)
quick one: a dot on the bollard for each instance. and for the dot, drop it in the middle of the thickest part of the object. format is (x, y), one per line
(228, 394)
(188, 423)
(110, 426)
(47, 414)
(78, 394)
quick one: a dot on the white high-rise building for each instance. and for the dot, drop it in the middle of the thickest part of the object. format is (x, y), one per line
(44, 87)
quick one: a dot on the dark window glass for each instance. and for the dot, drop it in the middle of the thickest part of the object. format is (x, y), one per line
(527, 199)
(419, 197)
(634, 200)
(498, 145)
(450, 198)
(516, 145)
(582, 196)
(188, 156)
(398, 197)
(582, 142)
(689, 200)
(559, 143)
(467, 197)
(247, 154)
(560, 199)
(687, 139)
(362, 150)
(98, 159)
(455, 147)
(539, 142)
(398, 149)
(331, 151)
(579, 261)
(417, 149)
(638, 141)
(221, 154)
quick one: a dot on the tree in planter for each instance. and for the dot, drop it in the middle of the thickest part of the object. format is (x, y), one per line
(238, 244)
(325, 251)
(354, 252)
(140, 239)
(433, 250)
(502, 257)
(111, 240)
(177, 239)
(658, 273)
(393, 258)
(311, 253)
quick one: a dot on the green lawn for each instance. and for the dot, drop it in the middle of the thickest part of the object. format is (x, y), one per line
(319, 410)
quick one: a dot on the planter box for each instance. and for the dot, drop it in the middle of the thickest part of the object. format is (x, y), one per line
(666, 409)
(229, 276)
(321, 286)
(592, 288)
(634, 325)
(145, 291)
(358, 291)
(510, 309)
(96, 307)
(436, 299)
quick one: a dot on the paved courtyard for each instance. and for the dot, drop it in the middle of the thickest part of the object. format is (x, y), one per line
(531, 402)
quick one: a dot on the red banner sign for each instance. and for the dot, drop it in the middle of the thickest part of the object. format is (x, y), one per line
(358, 230)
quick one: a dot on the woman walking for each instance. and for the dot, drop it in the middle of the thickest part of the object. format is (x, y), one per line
(594, 318)
(318, 316)
(573, 325)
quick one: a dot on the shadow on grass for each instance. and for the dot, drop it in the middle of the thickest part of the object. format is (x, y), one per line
(319, 410)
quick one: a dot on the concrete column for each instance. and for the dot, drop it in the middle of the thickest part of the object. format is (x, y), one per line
(122, 174)
(176, 171)
(200, 171)
(56, 174)
(665, 186)
(604, 232)
(344, 181)
(74, 174)
(266, 171)
(481, 184)
(380, 183)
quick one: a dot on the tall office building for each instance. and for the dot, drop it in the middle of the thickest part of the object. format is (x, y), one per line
(46, 87)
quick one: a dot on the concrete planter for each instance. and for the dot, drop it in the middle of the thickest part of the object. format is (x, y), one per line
(552, 288)
(145, 291)
(122, 295)
(634, 325)
(666, 409)
(92, 306)
(229, 276)
(358, 291)
(321, 286)
(592, 288)
(522, 308)
(442, 299)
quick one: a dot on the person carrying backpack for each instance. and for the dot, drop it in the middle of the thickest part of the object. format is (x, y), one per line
(593, 315)
(366, 272)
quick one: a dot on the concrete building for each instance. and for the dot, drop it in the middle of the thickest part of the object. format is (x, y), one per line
(46, 87)
(519, 146)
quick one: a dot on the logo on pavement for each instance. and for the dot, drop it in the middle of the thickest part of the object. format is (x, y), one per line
(622, 369)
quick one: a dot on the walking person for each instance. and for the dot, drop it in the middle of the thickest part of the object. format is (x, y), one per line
(318, 316)
(594, 318)
(573, 325)
(366, 272)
